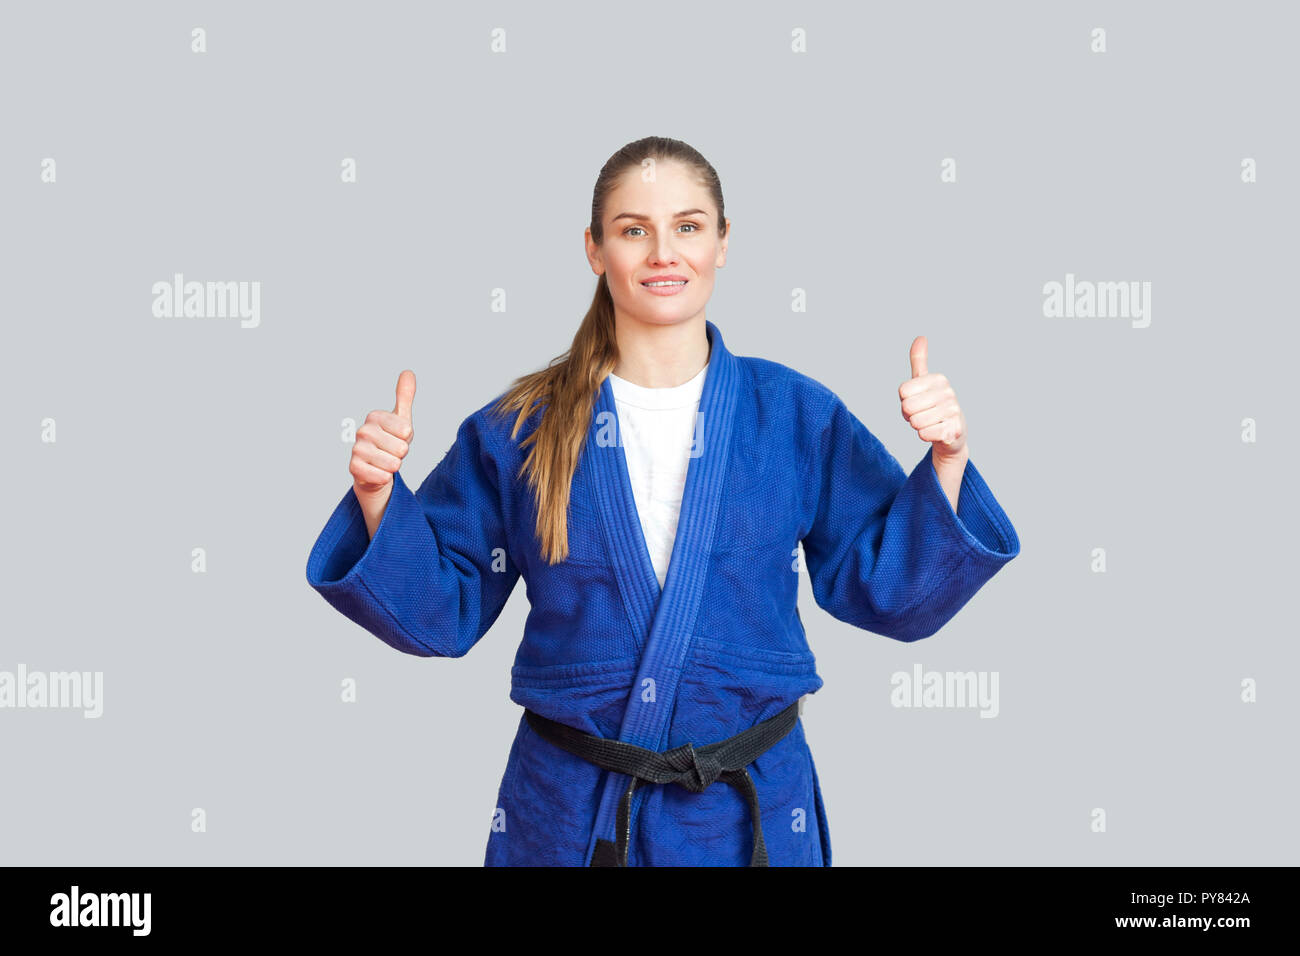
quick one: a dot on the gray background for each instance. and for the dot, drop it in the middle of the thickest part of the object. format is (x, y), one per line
(1118, 690)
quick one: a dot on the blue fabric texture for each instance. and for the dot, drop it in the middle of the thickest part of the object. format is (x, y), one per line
(778, 460)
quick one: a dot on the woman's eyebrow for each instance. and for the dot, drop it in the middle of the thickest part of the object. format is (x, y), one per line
(638, 215)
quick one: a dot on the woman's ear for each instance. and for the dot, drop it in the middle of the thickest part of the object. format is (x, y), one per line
(594, 256)
(722, 247)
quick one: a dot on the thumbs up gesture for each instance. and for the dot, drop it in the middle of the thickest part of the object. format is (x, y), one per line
(930, 406)
(382, 442)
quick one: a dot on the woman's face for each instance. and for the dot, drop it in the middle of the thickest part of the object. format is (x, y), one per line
(666, 226)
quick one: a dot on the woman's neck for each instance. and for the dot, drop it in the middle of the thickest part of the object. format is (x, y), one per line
(661, 356)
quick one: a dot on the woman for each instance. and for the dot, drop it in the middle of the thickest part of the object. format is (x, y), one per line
(661, 696)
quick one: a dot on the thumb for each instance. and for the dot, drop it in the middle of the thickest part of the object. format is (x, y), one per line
(918, 356)
(405, 394)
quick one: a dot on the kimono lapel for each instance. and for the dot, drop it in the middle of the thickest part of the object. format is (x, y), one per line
(666, 620)
(624, 540)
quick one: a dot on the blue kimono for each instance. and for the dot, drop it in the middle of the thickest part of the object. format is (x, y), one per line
(778, 460)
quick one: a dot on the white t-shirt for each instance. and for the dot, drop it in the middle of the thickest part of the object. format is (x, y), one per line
(658, 425)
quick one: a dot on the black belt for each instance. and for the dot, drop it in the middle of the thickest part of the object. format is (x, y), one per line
(694, 768)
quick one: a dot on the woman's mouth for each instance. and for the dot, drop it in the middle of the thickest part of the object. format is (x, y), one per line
(664, 286)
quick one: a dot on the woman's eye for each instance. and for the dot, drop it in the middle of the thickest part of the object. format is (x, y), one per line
(694, 228)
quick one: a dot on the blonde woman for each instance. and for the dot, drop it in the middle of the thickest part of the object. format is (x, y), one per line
(652, 489)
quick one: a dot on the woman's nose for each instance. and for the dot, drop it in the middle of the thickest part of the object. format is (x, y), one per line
(664, 251)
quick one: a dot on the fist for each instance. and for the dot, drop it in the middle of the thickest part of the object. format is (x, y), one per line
(930, 406)
(382, 442)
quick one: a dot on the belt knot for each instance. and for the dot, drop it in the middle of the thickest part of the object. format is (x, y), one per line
(696, 771)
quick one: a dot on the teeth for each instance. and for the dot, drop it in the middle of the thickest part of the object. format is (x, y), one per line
(651, 285)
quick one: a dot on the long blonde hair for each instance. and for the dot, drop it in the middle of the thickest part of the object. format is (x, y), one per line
(567, 387)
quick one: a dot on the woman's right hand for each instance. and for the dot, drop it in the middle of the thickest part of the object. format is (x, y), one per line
(382, 442)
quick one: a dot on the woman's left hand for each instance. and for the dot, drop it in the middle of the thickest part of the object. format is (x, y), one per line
(930, 406)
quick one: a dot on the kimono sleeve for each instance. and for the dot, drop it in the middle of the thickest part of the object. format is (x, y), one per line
(886, 552)
(436, 574)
